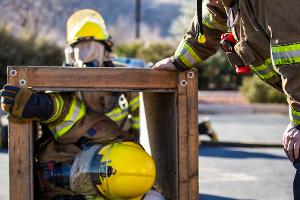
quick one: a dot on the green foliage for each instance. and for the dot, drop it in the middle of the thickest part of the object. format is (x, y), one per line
(255, 90)
(153, 52)
(217, 73)
(128, 49)
(26, 51)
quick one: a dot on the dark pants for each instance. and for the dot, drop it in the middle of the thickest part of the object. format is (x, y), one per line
(296, 185)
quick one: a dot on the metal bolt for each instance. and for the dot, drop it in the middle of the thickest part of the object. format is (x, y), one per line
(13, 72)
(183, 83)
(22, 82)
(191, 75)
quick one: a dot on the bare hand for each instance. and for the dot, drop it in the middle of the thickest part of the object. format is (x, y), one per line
(291, 142)
(165, 64)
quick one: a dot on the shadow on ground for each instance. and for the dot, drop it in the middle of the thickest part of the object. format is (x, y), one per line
(213, 197)
(3, 150)
(222, 152)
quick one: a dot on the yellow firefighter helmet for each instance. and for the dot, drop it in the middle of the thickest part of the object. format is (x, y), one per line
(118, 171)
(130, 171)
(86, 24)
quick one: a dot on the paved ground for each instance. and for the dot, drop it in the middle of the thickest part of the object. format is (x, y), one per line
(4, 175)
(244, 173)
(233, 173)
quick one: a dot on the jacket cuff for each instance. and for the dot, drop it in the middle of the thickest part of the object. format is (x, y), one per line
(186, 56)
(294, 117)
(177, 64)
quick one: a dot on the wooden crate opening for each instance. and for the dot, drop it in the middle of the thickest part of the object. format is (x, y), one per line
(171, 118)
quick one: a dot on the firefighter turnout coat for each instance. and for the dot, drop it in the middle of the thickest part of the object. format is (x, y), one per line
(268, 38)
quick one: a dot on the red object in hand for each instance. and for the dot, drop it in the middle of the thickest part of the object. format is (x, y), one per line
(227, 42)
(243, 69)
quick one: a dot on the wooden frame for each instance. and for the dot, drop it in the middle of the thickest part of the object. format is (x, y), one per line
(170, 100)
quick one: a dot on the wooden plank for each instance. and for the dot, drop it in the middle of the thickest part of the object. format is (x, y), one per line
(104, 77)
(183, 162)
(21, 161)
(192, 107)
(161, 123)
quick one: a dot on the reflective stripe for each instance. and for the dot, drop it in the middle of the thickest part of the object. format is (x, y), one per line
(286, 54)
(117, 114)
(294, 116)
(211, 23)
(58, 106)
(76, 112)
(134, 104)
(135, 122)
(187, 55)
(266, 70)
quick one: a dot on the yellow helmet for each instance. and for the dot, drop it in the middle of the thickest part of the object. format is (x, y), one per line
(132, 171)
(118, 170)
(86, 24)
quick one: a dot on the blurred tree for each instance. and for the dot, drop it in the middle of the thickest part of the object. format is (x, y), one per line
(255, 90)
(183, 21)
(26, 51)
(216, 73)
(149, 52)
(33, 17)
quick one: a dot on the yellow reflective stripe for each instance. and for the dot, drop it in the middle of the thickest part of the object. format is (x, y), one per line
(285, 47)
(76, 112)
(134, 104)
(117, 114)
(266, 70)
(179, 48)
(187, 55)
(211, 23)
(135, 122)
(286, 54)
(135, 126)
(58, 106)
(113, 112)
(294, 116)
(193, 53)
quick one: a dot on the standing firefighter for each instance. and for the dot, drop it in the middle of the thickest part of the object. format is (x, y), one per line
(82, 153)
(261, 36)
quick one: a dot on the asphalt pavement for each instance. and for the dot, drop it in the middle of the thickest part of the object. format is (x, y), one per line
(229, 173)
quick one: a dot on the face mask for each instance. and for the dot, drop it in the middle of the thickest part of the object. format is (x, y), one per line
(86, 54)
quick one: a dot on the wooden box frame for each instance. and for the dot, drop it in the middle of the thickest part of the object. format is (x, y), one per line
(170, 101)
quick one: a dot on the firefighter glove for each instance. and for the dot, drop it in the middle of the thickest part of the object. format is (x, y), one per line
(24, 104)
(291, 141)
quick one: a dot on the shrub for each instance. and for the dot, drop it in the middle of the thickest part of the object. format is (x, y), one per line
(128, 49)
(216, 73)
(255, 90)
(152, 52)
(26, 51)
(155, 52)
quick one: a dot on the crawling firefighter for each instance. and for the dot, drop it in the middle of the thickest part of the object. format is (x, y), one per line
(83, 153)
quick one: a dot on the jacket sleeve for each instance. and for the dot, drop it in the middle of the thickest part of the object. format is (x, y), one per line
(67, 111)
(134, 109)
(285, 49)
(190, 52)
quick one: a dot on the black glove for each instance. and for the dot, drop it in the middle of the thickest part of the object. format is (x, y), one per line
(24, 104)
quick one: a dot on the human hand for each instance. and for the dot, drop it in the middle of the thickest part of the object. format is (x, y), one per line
(165, 64)
(291, 142)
